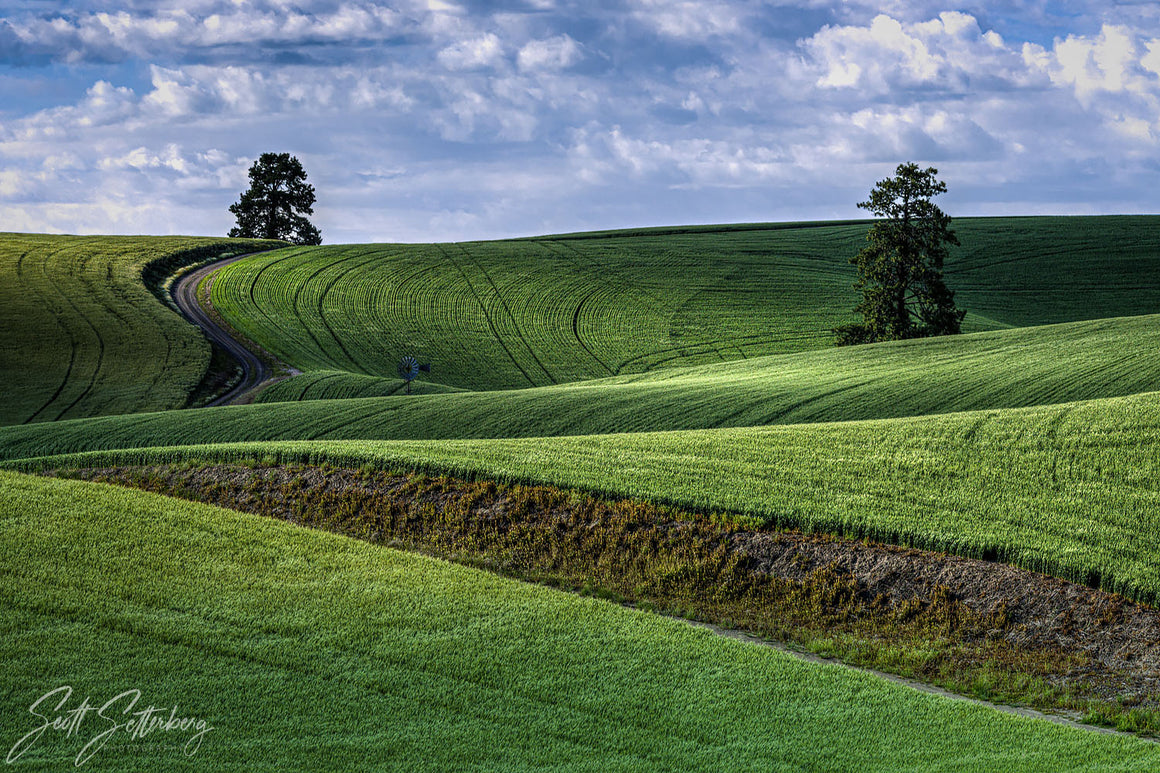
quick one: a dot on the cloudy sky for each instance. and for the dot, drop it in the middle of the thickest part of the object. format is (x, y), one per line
(422, 120)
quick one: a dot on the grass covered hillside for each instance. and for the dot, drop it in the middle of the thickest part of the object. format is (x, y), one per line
(503, 315)
(678, 390)
(1068, 490)
(84, 335)
(342, 655)
(999, 369)
(513, 314)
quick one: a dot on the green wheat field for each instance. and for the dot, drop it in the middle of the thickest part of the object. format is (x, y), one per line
(691, 367)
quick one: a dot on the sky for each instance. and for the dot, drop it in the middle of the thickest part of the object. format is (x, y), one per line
(436, 120)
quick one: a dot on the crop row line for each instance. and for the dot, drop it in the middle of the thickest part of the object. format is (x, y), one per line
(487, 316)
(322, 312)
(507, 311)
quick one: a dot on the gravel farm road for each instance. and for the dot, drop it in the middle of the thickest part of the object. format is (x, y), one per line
(255, 372)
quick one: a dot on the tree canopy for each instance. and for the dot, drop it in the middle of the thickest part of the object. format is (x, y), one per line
(900, 268)
(277, 201)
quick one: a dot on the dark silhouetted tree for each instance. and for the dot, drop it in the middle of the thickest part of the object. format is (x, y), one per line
(274, 206)
(900, 269)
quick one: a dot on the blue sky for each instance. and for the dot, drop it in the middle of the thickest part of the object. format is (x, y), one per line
(440, 120)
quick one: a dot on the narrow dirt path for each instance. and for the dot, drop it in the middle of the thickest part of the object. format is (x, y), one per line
(256, 374)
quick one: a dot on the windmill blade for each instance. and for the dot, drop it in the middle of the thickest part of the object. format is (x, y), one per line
(408, 368)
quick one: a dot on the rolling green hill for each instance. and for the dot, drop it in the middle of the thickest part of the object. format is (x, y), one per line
(514, 314)
(81, 333)
(84, 336)
(1070, 490)
(684, 365)
(1000, 369)
(342, 385)
(342, 655)
(503, 315)
(856, 489)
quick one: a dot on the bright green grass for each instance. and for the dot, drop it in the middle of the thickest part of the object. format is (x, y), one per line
(307, 651)
(1069, 490)
(999, 369)
(501, 315)
(81, 334)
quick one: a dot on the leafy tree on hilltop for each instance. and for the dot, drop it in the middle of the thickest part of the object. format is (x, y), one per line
(900, 269)
(274, 206)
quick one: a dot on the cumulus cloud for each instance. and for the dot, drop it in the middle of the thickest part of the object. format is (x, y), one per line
(484, 51)
(949, 52)
(142, 159)
(427, 119)
(114, 36)
(556, 53)
(1107, 62)
(690, 19)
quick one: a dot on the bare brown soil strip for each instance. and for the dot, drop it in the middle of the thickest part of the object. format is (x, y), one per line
(979, 628)
(1071, 719)
(1041, 612)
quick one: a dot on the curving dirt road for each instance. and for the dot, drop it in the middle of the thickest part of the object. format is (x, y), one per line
(255, 372)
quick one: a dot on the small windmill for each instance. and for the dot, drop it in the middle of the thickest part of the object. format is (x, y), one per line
(409, 369)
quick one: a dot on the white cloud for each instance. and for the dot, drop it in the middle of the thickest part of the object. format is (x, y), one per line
(556, 53)
(174, 94)
(950, 52)
(12, 183)
(104, 35)
(484, 51)
(1135, 128)
(1107, 62)
(690, 19)
(103, 104)
(103, 214)
(1151, 60)
(142, 159)
(601, 156)
(430, 120)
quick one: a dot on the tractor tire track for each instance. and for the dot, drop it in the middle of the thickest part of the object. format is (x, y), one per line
(817, 398)
(547, 247)
(72, 348)
(360, 368)
(576, 258)
(576, 332)
(74, 344)
(508, 312)
(305, 324)
(490, 321)
(254, 283)
(96, 332)
(302, 395)
(692, 349)
(585, 262)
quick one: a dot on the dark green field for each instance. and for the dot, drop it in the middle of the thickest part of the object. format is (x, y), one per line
(83, 333)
